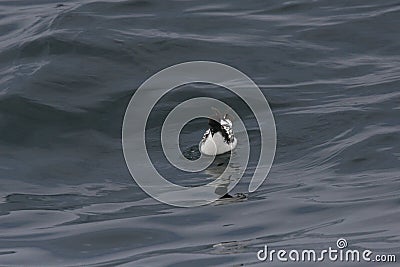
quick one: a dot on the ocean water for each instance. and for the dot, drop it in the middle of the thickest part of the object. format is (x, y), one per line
(329, 69)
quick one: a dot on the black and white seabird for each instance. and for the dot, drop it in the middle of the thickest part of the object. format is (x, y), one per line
(219, 138)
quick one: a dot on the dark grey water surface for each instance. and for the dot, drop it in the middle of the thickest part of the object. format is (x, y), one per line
(330, 70)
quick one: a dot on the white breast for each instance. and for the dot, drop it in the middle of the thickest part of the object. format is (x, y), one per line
(214, 145)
